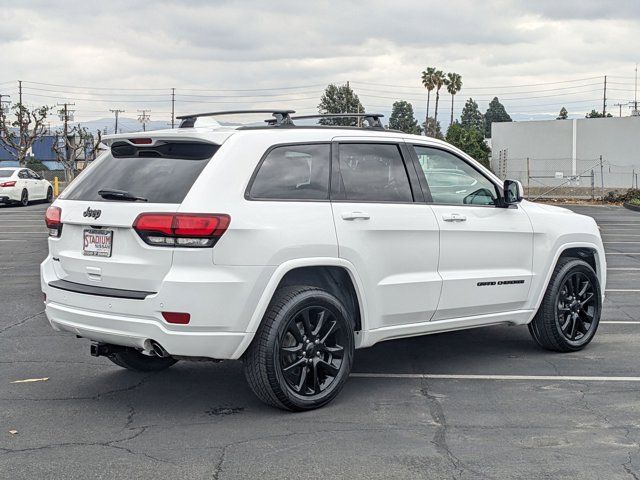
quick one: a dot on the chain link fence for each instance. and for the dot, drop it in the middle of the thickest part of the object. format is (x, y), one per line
(566, 178)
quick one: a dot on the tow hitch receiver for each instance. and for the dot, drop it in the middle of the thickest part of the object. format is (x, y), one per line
(104, 349)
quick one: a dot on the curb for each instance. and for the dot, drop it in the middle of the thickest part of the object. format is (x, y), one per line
(629, 206)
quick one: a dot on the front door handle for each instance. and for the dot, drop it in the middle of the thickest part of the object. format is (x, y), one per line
(454, 217)
(355, 216)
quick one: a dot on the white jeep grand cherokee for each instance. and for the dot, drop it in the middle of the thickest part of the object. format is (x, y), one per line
(289, 246)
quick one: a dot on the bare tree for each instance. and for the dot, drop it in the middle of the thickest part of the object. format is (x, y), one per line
(18, 136)
(77, 144)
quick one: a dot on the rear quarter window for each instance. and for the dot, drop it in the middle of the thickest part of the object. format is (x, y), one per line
(162, 174)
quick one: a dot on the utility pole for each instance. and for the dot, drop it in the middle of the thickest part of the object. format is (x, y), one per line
(116, 112)
(602, 178)
(604, 98)
(4, 109)
(173, 107)
(20, 112)
(143, 118)
(635, 111)
(619, 105)
(66, 115)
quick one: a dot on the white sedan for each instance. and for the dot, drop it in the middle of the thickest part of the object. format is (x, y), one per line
(22, 185)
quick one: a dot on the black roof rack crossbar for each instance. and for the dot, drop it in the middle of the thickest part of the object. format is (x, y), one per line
(373, 119)
(281, 117)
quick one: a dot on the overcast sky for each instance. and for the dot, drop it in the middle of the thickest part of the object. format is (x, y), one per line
(499, 47)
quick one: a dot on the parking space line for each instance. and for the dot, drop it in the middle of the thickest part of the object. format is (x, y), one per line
(553, 378)
(623, 268)
(621, 253)
(617, 322)
(621, 290)
(621, 234)
(605, 243)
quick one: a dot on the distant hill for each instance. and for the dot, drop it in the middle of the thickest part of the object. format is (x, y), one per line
(124, 125)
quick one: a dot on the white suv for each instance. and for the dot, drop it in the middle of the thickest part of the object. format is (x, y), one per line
(289, 246)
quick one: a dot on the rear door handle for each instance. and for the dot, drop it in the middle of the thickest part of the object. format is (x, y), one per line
(454, 217)
(355, 216)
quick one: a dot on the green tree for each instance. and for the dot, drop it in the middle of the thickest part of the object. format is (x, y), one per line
(495, 113)
(471, 116)
(563, 114)
(339, 99)
(470, 141)
(427, 82)
(454, 85)
(434, 127)
(438, 81)
(595, 114)
(402, 118)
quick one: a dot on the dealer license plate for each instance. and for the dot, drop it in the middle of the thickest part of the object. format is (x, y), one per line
(97, 243)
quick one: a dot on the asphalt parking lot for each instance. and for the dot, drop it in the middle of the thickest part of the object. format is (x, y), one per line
(484, 403)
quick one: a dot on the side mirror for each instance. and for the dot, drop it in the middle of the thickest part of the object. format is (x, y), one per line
(513, 192)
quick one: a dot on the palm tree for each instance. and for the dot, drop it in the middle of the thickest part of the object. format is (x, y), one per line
(427, 82)
(438, 82)
(454, 85)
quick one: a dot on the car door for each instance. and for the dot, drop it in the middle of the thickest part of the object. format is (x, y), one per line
(386, 230)
(37, 185)
(25, 182)
(486, 250)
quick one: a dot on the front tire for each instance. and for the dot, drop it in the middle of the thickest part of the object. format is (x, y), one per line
(569, 315)
(136, 361)
(302, 353)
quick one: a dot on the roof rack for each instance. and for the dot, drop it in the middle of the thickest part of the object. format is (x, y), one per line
(281, 117)
(372, 119)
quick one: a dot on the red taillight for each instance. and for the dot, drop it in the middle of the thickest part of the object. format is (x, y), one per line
(8, 184)
(181, 229)
(53, 220)
(141, 141)
(176, 317)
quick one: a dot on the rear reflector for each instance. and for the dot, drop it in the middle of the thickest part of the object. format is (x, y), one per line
(176, 317)
(181, 229)
(52, 218)
(8, 184)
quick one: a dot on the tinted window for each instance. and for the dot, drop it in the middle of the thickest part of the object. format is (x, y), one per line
(453, 181)
(33, 175)
(23, 174)
(374, 172)
(6, 173)
(156, 178)
(294, 172)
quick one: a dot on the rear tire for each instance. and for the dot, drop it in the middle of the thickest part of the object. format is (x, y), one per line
(302, 353)
(24, 198)
(569, 314)
(49, 198)
(134, 360)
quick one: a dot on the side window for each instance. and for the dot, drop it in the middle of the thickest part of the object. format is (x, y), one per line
(23, 174)
(374, 172)
(453, 181)
(294, 172)
(33, 175)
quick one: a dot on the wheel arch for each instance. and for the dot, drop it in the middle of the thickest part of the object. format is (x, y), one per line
(591, 253)
(335, 275)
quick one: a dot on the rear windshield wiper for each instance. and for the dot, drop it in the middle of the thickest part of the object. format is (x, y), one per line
(120, 195)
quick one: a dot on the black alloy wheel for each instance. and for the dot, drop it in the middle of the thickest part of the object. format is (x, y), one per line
(302, 353)
(312, 350)
(569, 314)
(24, 198)
(576, 306)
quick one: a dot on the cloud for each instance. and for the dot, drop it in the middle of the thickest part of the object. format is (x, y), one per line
(255, 44)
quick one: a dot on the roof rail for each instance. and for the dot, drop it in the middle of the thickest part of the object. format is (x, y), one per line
(281, 117)
(373, 119)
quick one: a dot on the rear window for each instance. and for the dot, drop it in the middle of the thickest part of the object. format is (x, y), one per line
(6, 173)
(161, 174)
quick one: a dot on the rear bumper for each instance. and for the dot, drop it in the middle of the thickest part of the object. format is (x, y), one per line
(220, 300)
(138, 332)
(9, 194)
